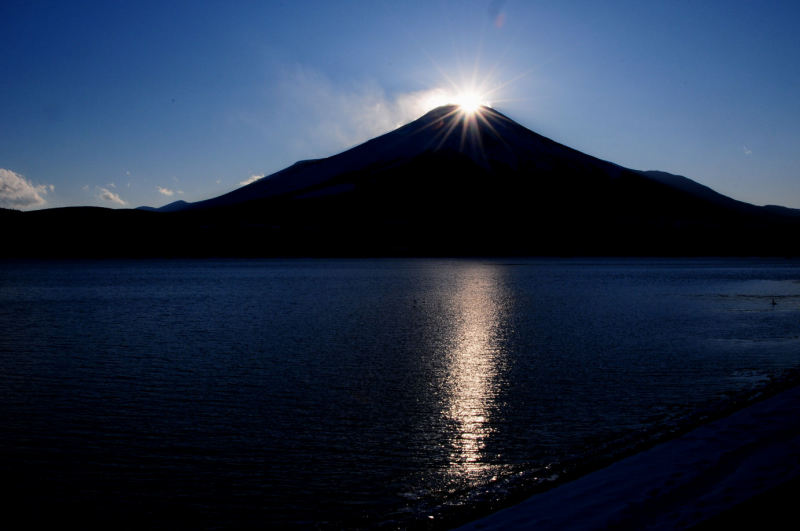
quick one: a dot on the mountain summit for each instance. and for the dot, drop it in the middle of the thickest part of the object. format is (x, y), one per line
(486, 143)
(453, 183)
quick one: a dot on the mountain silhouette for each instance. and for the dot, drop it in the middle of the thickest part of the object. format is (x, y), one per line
(449, 183)
(180, 204)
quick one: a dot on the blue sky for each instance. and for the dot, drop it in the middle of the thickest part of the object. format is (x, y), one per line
(138, 103)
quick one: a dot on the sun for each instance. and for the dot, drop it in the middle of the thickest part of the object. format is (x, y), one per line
(465, 102)
(470, 101)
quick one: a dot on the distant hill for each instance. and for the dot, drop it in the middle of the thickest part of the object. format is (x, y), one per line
(445, 184)
(171, 207)
(694, 188)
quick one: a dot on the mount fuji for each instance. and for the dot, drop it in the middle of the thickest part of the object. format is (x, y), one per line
(448, 183)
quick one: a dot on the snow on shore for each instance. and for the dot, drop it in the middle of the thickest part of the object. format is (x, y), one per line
(676, 484)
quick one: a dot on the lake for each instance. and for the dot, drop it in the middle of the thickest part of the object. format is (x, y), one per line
(361, 393)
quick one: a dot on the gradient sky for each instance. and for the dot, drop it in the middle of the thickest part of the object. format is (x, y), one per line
(139, 103)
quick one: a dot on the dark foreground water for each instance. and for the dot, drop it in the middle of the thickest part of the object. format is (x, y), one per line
(335, 393)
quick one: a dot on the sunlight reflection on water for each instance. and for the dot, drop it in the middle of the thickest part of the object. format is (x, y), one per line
(475, 366)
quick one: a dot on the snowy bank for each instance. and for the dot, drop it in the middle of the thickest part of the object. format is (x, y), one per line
(676, 484)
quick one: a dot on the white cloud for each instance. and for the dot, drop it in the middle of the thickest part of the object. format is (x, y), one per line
(747, 151)
(251, 179)
(107, 195)
(337, 116)
(165, 191)
(18, 192)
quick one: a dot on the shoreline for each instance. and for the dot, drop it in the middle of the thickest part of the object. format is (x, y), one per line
(722, 470)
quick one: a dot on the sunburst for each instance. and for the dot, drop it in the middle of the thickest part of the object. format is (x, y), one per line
(473, 96)
(470, 101)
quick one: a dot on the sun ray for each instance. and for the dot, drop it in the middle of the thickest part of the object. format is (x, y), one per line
(446, 134)
(471, 99)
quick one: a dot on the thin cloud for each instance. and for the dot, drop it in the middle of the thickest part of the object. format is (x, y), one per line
(18, 192)
(338, 116)
(165, 191)
(251, 179)
(747, 151)
(107, 195)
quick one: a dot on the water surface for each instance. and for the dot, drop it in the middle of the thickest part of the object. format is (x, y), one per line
(359, 393)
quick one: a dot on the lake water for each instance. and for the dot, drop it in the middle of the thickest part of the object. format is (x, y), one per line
(359, 393)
